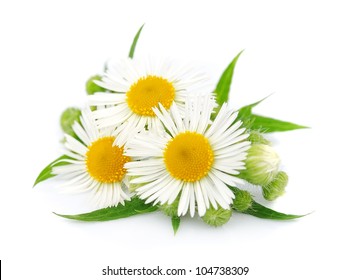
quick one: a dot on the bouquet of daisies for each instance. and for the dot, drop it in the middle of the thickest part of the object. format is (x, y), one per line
(153, 138)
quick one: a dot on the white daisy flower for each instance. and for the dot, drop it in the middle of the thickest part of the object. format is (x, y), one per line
(195, 159)
(140, 86)
(97, 162)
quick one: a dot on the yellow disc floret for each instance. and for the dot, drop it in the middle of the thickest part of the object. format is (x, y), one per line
(105, 161)
(188, 156)
(147, 93)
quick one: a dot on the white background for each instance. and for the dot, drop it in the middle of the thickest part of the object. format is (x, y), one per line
(297, 50)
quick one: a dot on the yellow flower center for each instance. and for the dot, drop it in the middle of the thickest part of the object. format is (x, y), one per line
(105, 162)
(147, 93)
(188, 156)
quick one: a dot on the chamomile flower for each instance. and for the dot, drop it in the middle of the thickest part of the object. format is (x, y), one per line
(96, 164)
(194, 160)
(137, 87)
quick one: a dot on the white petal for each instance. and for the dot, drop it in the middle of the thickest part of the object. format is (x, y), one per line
(227, 179)
(163, 195)
(204, 193)
(166, 119)
(228, 140)
(223, 126)
(226, 193)
(74, 145)
(199, 199)
(192, 200)
(232, 150)
(183, 201)
(206, 184)
(177, 118)
(106, 99)
(69, 168)
(175, 193)
(81, 133)
(155, 184)
(148, 178)
(217, 121)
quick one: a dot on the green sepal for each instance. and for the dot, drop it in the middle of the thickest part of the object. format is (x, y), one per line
(263, 212)
(134, 43)
(46, 173)
(217, 217)
(276, 187)
(242, 201)
(264, 124)
(255, 137)
(176, 221)
(170, 210)
(133, 207)
(223, 86)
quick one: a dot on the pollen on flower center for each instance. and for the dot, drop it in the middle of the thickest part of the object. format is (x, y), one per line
(105, 162)
(188, 156)
(147, 93)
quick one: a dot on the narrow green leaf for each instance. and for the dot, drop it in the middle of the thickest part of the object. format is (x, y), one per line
(264, 124)
(46, 173)
(176, 221)
(223, 86)
(268, 125)
(263, 212)
(134, 207)
(134, 43)
(246, 111)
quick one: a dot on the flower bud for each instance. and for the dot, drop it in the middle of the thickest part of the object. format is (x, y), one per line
(242, 200)
(68, 117)
(256, 137)
(262, 164)
(276, 187)
(92, 87)
(170, 209)
(217, 217)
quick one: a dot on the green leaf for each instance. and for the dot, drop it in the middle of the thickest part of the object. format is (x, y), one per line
(223, 87)
(268, 125)
(176, 221)
(264, 124)
(46, 173)
(134, 207)
(134, 43)
(246, 111)
(263, 212)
